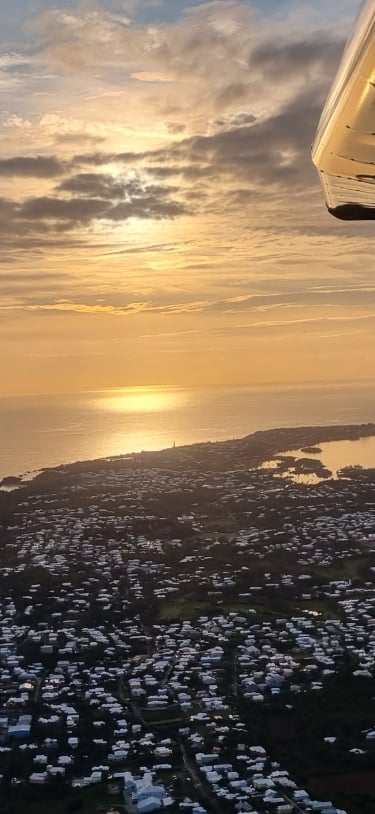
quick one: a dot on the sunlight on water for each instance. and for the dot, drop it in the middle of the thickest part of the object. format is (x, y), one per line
(337, 454)
(298, 477)
(40, 431)
(274, 464)
(140, 399)
(308, 480)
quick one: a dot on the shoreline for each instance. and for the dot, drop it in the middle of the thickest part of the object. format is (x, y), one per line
(56, 432)
(257, 446)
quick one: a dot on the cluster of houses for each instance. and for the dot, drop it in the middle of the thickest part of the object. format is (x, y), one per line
(128, 637)
(142, 794)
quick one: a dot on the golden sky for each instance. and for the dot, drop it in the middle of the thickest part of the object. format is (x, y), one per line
(161, 221)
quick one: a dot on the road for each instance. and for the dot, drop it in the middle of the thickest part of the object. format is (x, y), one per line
(191, 768)
(291, 800)
(38, 686)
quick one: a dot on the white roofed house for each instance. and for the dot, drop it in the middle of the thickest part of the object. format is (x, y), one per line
(38, 778)
(143, 794)
(149, 804)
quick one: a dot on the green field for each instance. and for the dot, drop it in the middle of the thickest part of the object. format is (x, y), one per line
(352, 568)
(191, 609)
(77, 801)
(183, 609)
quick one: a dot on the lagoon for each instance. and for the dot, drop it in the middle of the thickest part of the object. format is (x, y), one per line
(335, 455)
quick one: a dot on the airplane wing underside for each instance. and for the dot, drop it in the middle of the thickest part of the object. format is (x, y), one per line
(344, 146)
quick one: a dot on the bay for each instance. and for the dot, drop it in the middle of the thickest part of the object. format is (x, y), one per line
(335, 455)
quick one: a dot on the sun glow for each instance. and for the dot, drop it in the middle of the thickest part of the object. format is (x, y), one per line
(140, 399)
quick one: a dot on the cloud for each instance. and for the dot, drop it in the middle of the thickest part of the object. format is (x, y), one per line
(48, 208)
(235, 120)
(214, 56)
(307, 298)
(317, 305)
(287, 323)
(12, 60)
(152, 76)
(109, 187)
(77, 202)
(284, 61)
(14, 121)
(274, 151)
(31, 166)
(227, 136)
(237, 94)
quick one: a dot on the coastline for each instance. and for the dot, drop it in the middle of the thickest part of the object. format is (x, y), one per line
(50, 432)
(250, 450)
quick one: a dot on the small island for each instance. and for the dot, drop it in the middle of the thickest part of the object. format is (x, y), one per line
(302, 466)
(311, 450)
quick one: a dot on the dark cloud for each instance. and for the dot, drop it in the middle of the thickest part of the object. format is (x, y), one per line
(148, 208)
(98, 159)
(32, 166)
(265, 152)
(7, 209)
(260, 149)
(84, 210)
(38, 222)
(282, 61)
(261, 162)
(49, 208)
(247, 162)
(233, 92)
(271, 153)
(93, 185)
(108, 187)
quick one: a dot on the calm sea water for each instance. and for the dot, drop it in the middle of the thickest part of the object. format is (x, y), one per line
(36, 432)
(335, 455)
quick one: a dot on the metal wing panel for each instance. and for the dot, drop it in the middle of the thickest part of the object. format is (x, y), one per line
(344, 146)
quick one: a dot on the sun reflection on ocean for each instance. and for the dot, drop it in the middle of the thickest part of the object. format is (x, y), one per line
(140, 399)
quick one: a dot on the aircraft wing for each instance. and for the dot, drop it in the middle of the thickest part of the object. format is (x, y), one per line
(344, 146)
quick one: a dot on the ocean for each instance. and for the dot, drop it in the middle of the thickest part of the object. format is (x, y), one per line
(44, 431)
